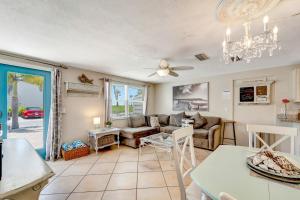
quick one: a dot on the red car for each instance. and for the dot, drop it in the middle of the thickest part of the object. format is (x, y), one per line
(32, 112)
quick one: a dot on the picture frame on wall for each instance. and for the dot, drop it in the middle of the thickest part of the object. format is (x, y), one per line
(191, 97)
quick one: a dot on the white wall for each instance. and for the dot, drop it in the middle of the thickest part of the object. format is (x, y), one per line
(80, 109)
(227, 107)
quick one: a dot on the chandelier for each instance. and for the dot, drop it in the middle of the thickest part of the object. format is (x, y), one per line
(250, 46)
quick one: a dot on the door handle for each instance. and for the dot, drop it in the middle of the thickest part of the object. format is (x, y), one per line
(0, 114)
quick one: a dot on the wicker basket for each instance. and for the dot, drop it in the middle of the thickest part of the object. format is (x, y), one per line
(75, 153)
(108, 139)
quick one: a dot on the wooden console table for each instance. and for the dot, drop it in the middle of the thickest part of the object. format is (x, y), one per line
(24, 172)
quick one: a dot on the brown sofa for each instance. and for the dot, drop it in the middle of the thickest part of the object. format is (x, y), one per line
(207, 137)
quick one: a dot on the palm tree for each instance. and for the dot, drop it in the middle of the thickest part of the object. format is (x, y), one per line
(13, 80)
(117, 94)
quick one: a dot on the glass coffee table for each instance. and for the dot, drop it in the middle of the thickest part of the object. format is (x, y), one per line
(162, 141)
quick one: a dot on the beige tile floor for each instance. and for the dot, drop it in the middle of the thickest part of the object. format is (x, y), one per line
(116, 174)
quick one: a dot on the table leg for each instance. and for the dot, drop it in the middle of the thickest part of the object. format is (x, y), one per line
(118, 140)
(96, 145)
(234, 136)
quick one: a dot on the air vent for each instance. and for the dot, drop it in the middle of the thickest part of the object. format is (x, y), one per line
(202, 56)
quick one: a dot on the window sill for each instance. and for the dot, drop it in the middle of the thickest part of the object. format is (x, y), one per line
(118, 118)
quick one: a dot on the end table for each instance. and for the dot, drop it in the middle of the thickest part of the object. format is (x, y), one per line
(95, 135)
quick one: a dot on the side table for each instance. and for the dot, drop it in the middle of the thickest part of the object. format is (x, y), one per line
(95, 135)
(225, 122)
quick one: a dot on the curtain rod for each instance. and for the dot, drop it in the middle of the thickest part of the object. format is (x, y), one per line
(129, 83)
(31, 59)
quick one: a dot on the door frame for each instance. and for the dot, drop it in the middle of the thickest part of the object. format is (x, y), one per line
(4, 69)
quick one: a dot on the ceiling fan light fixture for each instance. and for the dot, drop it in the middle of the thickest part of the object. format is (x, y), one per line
(163, 72)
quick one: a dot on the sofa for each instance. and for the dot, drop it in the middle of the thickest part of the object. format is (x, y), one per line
(207, 136)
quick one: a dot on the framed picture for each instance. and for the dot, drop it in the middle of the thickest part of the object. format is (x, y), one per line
(192, 97)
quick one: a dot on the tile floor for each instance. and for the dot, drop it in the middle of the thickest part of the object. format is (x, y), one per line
(116, 174)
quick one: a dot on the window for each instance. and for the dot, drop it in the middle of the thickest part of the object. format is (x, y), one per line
(126, 100)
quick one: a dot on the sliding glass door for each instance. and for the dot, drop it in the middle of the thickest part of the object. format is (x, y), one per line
(25, 104)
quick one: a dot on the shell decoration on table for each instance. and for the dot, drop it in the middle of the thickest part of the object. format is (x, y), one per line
(275, 164)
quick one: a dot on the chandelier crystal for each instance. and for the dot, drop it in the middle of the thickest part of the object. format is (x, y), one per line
(250, 46)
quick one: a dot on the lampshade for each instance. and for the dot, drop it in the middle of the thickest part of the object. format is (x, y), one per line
(96, 120)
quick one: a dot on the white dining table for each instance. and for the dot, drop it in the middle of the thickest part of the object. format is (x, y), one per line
(226, 170)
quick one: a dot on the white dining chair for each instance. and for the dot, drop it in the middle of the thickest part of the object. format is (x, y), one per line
(185, 162)
(225, 196)
(285, 132)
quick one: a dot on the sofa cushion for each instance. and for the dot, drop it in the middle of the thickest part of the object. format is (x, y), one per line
(176, 119)
(154, 122)
(168, 129)
(212, 121)
(137, 121)
(199, 121)
(135, 132)
(163, 119)
(201, 133)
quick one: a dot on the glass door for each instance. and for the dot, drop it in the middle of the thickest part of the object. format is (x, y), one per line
(25, 104)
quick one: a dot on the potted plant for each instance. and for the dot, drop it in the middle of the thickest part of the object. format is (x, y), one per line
(285, 101)
(108, 124)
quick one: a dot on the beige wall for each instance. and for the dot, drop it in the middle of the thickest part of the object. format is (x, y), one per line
(80, 109)
(227, 107)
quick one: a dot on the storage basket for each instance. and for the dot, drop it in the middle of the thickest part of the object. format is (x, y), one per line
(76, 153)
(108, 139)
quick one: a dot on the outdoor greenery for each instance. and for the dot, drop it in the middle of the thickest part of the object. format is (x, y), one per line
(120, 109)
(21, 109)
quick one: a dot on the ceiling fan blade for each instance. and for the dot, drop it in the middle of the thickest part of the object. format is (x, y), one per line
(180, 68)
(172, 73)
(153, 74)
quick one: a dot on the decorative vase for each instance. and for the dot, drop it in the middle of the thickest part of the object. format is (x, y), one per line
(285, 111)
(108, 126)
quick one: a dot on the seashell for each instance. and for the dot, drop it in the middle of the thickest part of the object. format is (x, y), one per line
(263, 166)
(256, 160)
(277, 168)
(263, 157)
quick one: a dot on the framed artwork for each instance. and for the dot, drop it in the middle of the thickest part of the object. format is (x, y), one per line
(192, 97)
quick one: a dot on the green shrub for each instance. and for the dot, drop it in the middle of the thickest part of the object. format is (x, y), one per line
(21, 109)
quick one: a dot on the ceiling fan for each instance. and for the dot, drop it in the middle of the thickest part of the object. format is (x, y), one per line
(164, 69)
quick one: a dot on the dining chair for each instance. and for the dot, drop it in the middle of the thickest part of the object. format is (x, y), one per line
(185, 162)
(225, 196)
(285, 132)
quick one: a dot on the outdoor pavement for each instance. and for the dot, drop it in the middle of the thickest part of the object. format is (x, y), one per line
(30, 129)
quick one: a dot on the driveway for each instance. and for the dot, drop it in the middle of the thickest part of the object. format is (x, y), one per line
(29, 129)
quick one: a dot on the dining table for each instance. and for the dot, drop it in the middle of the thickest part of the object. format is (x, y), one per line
(226, 170)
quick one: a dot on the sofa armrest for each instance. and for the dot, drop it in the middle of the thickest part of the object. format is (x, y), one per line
(214, 137)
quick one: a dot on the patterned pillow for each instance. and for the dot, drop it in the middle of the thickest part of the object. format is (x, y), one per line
(199, 121)
(176, 119)
(154, 122)
(163, 119)
(137, 121)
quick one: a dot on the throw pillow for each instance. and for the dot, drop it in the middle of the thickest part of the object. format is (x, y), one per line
(163, 119)
(154, 122)
(199, 121)
(176, 119)
(137, 121)
(148, 117)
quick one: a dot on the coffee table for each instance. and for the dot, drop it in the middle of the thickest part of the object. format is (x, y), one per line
(161, 141)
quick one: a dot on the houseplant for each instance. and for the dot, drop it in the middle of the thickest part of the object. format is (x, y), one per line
(108, 124)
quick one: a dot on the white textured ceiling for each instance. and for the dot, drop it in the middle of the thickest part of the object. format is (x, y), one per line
(121, 37)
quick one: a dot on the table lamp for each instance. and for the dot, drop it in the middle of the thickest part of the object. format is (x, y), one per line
(96, 122)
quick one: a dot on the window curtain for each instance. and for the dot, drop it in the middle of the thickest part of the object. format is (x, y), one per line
(107, 99)
(54, 128)
(145, 106)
